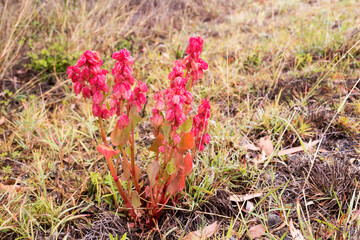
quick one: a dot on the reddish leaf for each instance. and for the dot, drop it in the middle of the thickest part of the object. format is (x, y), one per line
(137, 173)
(178, 156)
(126, 170)
(177, 184)
(187, 141)
(152, 171)
(115, 135)
(107, 151)
(188, 164)
(157, 143)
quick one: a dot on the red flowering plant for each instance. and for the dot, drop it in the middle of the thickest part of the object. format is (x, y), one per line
(178, 135)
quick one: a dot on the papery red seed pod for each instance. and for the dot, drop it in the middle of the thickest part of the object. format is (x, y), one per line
(123, 121)
(176, 139)
(206, 138)
(77, 87)
(98, 97)
(96, 109)
(170, 115)
(105, 113)
(142, 86)
(129, 61)
(95, 69)
(81, 61)
(86, 92)
(156, 119)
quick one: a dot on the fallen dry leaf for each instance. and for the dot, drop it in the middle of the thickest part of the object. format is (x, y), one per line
(249, 206)
(257, 231)
(11, 189)
(207, 232)
(68, 160)
(252, 147)
(296, 234)
(279, 227)
(2, 120)
(290, 151)
(266, 146)
(242, 198)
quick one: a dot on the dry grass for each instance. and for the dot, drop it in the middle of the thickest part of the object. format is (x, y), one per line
(284, 69)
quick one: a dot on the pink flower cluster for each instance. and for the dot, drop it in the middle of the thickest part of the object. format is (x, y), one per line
(156, 118)
(123, 88)
(176, 96)
(124, 82)
(122, 73)
(200, 123)
(177, 99)
(194, 64)
(90, 80)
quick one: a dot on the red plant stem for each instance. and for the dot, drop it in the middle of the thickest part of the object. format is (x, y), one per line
(118, 184)
(113, 171)
(152, 201)
(103, 135)
(111, 166)
(167, 159)
(132, 148)
(157, 156)
(163, 205)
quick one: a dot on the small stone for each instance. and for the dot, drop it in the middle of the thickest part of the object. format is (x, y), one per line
(274, 220)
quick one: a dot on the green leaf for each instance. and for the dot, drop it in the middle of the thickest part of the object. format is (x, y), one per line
(134, 117)
(152, 171)
(157, 143)
(120, 136)
(176, 185)
(170, 168)
(186, 126)
(188, 85)
(123, 237)
(165, 130)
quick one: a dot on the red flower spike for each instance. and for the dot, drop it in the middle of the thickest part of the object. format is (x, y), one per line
(90, 79)
(200, 123)
(194, 64)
